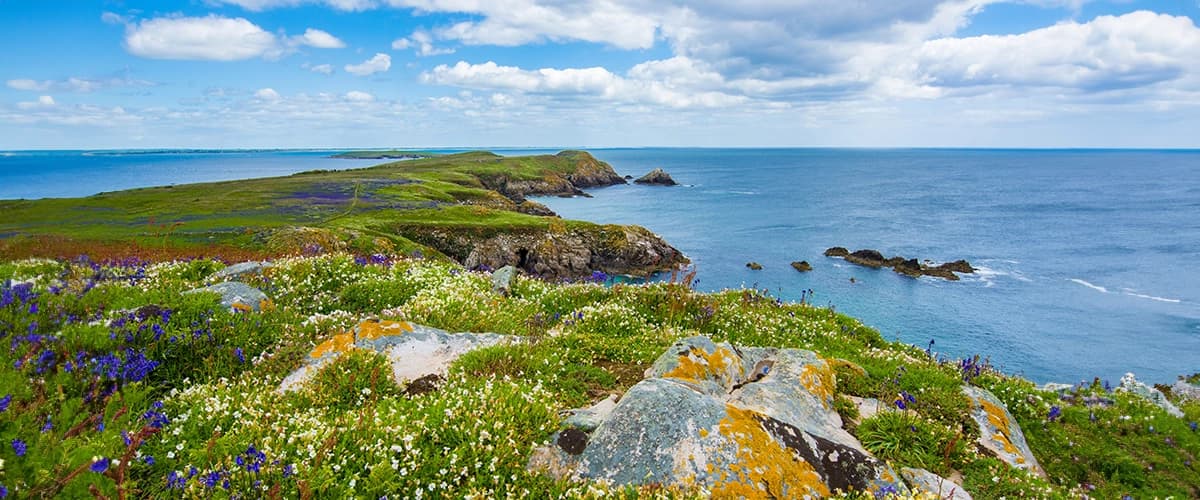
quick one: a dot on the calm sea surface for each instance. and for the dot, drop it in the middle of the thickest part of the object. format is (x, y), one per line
(1089, 260)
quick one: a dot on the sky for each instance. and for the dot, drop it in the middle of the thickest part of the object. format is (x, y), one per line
(93, 74)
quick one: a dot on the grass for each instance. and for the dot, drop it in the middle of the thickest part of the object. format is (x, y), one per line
(152, 393)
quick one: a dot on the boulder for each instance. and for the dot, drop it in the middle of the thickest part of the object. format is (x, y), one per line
(1185, 391)
(415, 351)
(924, 481)
(754, 266)
(588, 419)
(836, 252)
(867, 257)
(502, 279)
(573, 253)
(737, 421)
(958, 266)
(238, 296)
(999, 433)
(1130, 384)
(534, 208)
(908, 267)
(802, 266)
(657, 177)
(240, 269)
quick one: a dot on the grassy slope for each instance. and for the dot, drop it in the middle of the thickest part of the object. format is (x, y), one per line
(416, 195)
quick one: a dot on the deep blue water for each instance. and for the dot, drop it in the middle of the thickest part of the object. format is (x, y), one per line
(1089, 259)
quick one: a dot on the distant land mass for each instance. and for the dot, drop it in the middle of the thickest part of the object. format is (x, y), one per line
(385, 155)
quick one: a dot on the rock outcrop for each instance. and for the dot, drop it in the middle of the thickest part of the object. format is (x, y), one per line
(657, 177)
(238, 296)
(416, 352)
(927, 482)
(535, 208)
(570, 253)
(585, 171)
(737, 421)
(1185, 391)
(240, 269)
(802, 266)
(1130, 384)
(999, 433)
(754, 266)
(905, 266)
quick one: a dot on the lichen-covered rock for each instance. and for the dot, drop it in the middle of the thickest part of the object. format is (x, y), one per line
(502, 279)
(414, 350)
(588, 419)
(924, 481)
(1130, 384)
(999, 432)
(240, 269)
(738, 422)
(238, 296)
(535, 208)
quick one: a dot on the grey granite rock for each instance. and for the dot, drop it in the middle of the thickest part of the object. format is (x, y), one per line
(927, 482)
(240, 269)
(1130, 384)
(237, 295)
(999, 432)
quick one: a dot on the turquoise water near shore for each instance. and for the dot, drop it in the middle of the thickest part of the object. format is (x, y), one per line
(1088, 259)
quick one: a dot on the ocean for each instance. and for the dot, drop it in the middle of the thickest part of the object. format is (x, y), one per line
(1087, 259)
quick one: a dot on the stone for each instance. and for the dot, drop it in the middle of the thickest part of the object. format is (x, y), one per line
(502, 279)
(924, 481)
(240, 269)
(1185, 391)
(802, 266)
(414, 351)
(869, 407)
(867, 257)
(737, 421)
(908, 267)
(657, 177)
(1130, 384)
(958, 266)
(1056, 387)
(836, 252)
(572, 253)
(588, 419)
(535, 208)
(902, 265)
(999, 433)
(238, 296)
(754, 266)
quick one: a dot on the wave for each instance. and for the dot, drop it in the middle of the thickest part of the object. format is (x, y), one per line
(1089, 285)
(1133, 293)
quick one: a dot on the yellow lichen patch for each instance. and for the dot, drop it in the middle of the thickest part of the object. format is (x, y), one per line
(698, 365)
(764, 468)
(371, 330)
(818, 380)
(238, 306)
(997, 418)
(338, 344)
(266, 305)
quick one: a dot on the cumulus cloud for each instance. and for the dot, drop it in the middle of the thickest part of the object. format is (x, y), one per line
(422, 43)
(42, 102)
(358, 96)
(377, 64)
(266, 94)
(212, 37)
(318, 39)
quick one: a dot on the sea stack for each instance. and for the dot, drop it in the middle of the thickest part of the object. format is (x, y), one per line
(657, 177)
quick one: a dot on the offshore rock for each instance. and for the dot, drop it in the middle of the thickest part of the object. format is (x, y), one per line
(999, 433)
(1130, 384)
(737, 421)
(869, 258)
(657, 177)
(908, 267)
(927, 482)
(802, 266)
(576, 253)
(238, 296)
(240, 269)
(836, 252)
(415, 351)
(754, 266)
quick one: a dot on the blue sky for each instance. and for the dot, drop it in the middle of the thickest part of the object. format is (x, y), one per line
(427, 73)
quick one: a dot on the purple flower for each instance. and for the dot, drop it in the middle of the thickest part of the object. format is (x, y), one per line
(149, 459)
(100, 465)
(19, 447)
(211, 479)
(1055, 412)
(48, 426)
(33, 308)
(240, 356)
(1192, 425)
(175, 480)
(900, 404)
(288, 470)
(4, 402)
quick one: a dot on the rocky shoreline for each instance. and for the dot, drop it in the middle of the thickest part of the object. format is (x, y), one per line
(901, 265)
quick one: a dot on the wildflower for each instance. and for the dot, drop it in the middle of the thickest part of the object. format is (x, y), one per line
(288, 470)
(4, 402)
(1055, 412)
(33, 308)
(900, 404)
(175, 480)
(210, 480)
(19, 447)
(240, 356)
(100, 464)
(3, 491)
(1192, 425)
(48, 426)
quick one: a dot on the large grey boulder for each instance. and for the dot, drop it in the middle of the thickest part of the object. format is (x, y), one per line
(999, 433)
(237, 296)
(1185, 391)
(927, 482)
(502, 279)
(1130, 384)
(240, 269)
(415, 351)
(735, 421)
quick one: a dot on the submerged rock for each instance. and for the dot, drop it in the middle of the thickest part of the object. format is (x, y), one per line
(657, 177)
(238, 296)
(1130, 384)
(415, 351)
(999, 433)
(802, 266)
(927, 482)
(737, 421)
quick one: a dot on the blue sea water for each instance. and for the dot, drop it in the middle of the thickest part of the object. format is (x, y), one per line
(1088, 259)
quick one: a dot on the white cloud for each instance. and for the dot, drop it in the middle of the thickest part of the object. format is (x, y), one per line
(318, 39)
(42, 102)
(324, 69)
(422, 43)
(260, 5)
(74, 84)
(213, 37)
(266, 94)
(377, 64)
(357, 96)
(113, 18)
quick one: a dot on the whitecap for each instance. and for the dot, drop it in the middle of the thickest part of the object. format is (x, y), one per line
(1133, 293)
(1089, 285)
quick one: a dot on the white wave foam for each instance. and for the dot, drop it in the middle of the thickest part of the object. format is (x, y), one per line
(1133, 293)
(1089, 285)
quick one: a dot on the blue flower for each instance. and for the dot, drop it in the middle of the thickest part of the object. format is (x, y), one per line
(1192, 425)
(4, 402)
(100, 465)
(33, 308)
(288, 470)
(240, 356)
(149, 459)
(175, 480)
(48, 426)
(1055, 412)
(19, 447)
(3, 491)
(211, 479)
(900, 404)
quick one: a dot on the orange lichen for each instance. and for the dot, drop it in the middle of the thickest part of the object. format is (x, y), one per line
(999, 420)
(371, 330)
(238, 306)
(698, 365)
(266, 305)
(338, 344)
(818, 380)
(764, 467)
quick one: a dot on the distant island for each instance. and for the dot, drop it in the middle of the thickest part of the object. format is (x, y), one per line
(392, 154)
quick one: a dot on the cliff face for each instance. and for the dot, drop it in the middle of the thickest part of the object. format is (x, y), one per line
(569, 172)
